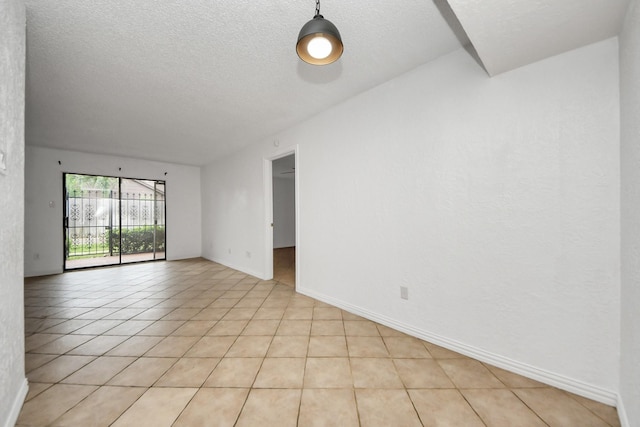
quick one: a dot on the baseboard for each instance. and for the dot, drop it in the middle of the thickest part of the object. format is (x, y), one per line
(12, 416)
(571, 385)
(622, 413)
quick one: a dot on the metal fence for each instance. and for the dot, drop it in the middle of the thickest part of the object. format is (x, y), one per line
(108, 223)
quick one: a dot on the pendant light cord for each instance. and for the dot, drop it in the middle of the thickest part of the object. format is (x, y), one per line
(317, 7)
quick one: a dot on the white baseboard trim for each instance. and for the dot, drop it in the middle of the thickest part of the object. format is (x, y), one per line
(568, 384)
(12, 416)
(622, 413)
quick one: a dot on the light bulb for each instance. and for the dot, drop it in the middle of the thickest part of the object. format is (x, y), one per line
(319, 47)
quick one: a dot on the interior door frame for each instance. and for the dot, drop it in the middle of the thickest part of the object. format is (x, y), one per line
(268, 214)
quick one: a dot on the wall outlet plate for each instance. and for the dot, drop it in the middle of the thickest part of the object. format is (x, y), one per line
(404, 292)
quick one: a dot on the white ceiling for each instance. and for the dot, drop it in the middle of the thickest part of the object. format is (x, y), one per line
(190, 81)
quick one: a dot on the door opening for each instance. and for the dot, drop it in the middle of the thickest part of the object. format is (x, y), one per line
(111, 221)
(283, 178)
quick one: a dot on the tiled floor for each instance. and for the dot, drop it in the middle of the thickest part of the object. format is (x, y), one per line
(192, 343)
(284, 265)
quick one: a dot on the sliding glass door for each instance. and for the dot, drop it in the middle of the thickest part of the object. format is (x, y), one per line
(109, 221)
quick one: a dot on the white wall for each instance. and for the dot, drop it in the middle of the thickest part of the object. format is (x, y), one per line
(43, 224)
(284, 212)
(13, 384)
(630, 214)
(495, 201)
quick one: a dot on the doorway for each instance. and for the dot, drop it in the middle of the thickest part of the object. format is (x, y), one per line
(112, 221)
(284, 219)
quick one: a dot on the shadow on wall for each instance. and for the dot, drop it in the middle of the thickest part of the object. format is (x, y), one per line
(449, 15)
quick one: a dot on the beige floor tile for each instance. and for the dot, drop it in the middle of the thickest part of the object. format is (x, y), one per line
(153, 314)
(438, 352)
(213, 407)
(98, 327)
(125, 313)
(327, 372)
(288, 346)
(327, 313)
(261, 327)
(247, 302)
(298, 313)
(35, 389)
(385, 408)
(250, 346)
(328, 346)
(188, 372)
(143, 372)
(58, 369)
(234, 372)
(63, 344)
(99, 371)
(557, 408)
(350, 316)
(37, 340)
(130, 327)
(172, 347)
(469, 373)
(444, 408)
(298, 300)
(422, 373)
(211, 347)
(98, 345)
(406, 347)
(135, 346)
(366, 347)
(270, 408)
(67, 326)
(43, 409)
(327, 327)
(385, 331)
(211, 314)
(240, 314)
(101, 408)
(280, 373)
(161, 328)
(269, 313)
(228, 327)
(294, 327)
(328, 408)
(374, 373)
(501, 408)
(194, 328)
(275, 302)
(227, 303)
(33, 361)
(608, 413)
(182, 314)
(513, 380)
(157, 407)
(361, 328)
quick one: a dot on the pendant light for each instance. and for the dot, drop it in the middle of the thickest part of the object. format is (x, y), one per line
(319, 41)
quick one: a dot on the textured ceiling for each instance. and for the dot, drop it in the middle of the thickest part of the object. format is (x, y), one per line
(508, 34)
(190, 81)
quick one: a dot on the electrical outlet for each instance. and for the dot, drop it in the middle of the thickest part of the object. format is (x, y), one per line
(229, 250)
(404, 292)
(248, 254)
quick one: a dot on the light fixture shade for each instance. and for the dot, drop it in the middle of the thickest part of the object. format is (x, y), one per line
(319, 30)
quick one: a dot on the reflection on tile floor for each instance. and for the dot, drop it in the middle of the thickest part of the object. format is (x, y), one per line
(193, 343)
